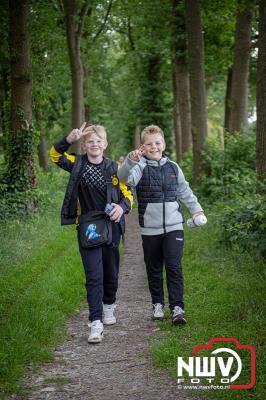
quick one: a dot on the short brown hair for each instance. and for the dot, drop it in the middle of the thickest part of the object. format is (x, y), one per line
(151, 130)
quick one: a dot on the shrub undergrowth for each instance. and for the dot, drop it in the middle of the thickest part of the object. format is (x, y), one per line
(228, 188)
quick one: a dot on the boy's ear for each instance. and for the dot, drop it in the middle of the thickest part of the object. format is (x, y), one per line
(105, 144)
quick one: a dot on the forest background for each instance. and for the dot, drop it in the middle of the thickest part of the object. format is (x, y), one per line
(196, 69)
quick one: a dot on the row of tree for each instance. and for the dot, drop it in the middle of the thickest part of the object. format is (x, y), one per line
(128, 64)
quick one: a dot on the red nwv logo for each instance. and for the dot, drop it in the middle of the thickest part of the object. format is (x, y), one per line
(225, 362)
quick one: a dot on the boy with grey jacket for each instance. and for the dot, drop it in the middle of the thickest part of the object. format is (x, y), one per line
(160, 184)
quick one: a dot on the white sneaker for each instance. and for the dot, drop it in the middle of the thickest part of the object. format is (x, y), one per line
(108, 314)
(178, 317)
(158, 312)
(96, 334)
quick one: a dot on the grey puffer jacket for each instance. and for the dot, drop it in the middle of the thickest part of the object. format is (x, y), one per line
(160, 185)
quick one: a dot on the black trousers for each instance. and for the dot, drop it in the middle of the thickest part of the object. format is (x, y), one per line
(101, 266)
(160, 250)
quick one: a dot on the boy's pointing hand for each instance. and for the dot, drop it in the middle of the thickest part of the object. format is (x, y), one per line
(136, 155)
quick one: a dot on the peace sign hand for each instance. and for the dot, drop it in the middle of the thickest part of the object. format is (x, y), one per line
(135, 155)
(76, 134)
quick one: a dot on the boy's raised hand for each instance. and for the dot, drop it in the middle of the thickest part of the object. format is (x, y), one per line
(76, 134)
(136, 155)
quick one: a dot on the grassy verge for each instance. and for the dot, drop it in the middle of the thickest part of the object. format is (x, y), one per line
(41, 284)
(224, 297)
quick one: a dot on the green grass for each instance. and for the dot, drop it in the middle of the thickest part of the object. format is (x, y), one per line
(21, 238)
(41, 284)
(224, 297)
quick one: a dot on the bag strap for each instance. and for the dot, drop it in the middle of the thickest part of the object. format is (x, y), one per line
(109, 189)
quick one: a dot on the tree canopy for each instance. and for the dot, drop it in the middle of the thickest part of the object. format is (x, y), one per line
(112, 62)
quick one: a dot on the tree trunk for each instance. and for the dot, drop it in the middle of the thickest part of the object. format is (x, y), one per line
(197, 83)
(261, 99)
(74, 25)
(21, 165)
(42, 148)
(239, 89)
(42, 153)
(85, 89)
(184, 105)
(2, 112)
(152, 106)
(4, 89)
(137, 137)
(5, 107)
(221, 137)
(181, 109)
(227, 107)
(176, 116)
(87, 114)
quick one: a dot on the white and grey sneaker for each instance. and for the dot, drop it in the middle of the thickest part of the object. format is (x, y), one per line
(108, 314)
(158, 312)
(178, 316)
(96, 334)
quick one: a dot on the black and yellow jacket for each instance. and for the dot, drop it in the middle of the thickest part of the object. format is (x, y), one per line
(75, 164)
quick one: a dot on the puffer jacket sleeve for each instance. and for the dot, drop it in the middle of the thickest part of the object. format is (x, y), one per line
(185, 194)
(131, 171)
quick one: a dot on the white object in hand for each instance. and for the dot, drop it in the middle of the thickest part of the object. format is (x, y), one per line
(198, 221)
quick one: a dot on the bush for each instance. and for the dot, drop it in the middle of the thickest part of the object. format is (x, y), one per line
(21, 204)
(16, 204)
(242, 224)
(229, 186)
(230, 172)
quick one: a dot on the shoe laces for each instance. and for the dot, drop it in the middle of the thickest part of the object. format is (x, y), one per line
(96, 327)
(158, 307)
(109, 309)
(177, 311)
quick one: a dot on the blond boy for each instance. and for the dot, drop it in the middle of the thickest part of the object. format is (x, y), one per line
(160, 184)
(86, 192)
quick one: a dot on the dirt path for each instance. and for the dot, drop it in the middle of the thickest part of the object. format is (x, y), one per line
(119, 367)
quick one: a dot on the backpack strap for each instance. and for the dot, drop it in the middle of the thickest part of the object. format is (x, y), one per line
(109, 170)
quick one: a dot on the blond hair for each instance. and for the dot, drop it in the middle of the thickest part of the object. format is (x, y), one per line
(99, 130)
(151, 130)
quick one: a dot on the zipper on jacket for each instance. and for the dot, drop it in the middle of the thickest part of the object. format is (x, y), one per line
(163, 188)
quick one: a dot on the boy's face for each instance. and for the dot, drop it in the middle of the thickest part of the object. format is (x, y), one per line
(94, 145)
(154, 146)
